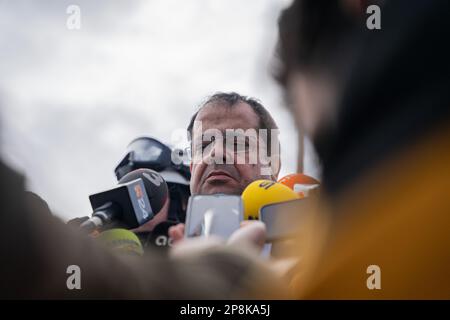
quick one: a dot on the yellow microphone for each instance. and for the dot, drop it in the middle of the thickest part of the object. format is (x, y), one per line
(121, 241)
(263, 192)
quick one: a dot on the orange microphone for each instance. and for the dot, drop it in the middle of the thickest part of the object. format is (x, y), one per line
(302, 184)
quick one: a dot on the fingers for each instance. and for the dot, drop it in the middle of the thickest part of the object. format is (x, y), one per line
(247, 222)
(192, 246)
(251, 233)
(177, 232)
(285, 267)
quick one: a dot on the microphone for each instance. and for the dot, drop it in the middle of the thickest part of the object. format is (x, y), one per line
(121, 241)
(258, 195)
(139, 196)
(300, 183)
(263, 192)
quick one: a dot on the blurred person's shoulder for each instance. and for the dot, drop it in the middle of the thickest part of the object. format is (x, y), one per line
(13, 187)
(396, 218)
(35, 202)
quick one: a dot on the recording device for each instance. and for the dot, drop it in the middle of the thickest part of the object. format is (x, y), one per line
(221, 214)
(216, 214)
(150, 153)
(283, 219)
(139, 196)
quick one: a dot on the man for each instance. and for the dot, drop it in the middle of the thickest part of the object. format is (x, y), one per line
(233, 143)
(210, 170)
(376, 105)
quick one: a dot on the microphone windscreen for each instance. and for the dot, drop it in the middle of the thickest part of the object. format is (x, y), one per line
(300, 183)
(155, 186)
(121, 241)
(262, 192)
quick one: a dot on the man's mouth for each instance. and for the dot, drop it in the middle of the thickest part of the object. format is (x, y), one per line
(218, 175)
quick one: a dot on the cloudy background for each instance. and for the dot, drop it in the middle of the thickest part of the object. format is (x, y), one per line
(71, 100)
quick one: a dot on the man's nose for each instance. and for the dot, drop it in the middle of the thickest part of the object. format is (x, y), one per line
(218, 153)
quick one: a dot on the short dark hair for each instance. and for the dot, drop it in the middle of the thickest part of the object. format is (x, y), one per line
(231, 99)
(310, 32)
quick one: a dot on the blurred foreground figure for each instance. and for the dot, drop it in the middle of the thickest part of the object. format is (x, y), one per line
(37, 250)
(376, 104)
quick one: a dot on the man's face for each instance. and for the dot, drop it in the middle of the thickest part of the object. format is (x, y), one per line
(209, 177)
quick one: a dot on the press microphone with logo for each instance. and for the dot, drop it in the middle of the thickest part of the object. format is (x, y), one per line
(138, 197)
(263, 192)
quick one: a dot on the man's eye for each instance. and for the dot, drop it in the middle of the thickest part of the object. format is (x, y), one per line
(205, 144)
(241, 146)
(198, 147)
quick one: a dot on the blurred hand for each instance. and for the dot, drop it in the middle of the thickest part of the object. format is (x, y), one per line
(177, 232)
(251, 234)
(250, 237)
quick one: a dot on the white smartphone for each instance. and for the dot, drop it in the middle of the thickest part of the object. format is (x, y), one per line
(216, 214)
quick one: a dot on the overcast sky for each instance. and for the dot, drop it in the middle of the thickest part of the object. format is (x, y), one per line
(71, 100)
